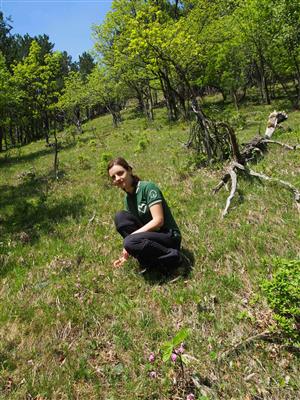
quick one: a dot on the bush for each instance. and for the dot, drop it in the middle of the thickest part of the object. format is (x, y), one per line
(102, 165)
(283, 296)
(84, 161)
(142, 144)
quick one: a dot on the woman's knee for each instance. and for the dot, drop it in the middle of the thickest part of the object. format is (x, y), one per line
(134, 244)
(129, 244)
(120, 218)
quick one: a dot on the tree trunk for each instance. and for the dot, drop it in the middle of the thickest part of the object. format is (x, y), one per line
(1, 139)
(141, 105)
(11, 135)
(55, 163)
(290, 97)
(169, 95)
(263, 80)
(235, 99)
(148, 105)
(5, 139)
(47, 128)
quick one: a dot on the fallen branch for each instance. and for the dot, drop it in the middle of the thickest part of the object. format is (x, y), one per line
(283, 183)
(248, 153)
(232, 192)
(286, 146)
(243, 343)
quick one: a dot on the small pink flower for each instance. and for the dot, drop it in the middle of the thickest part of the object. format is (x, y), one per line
(190, 397)
(180, 349)
(151, 357)
(173, 357)
(153, 374)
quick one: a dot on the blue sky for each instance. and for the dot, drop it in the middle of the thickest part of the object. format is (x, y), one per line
(67, 22)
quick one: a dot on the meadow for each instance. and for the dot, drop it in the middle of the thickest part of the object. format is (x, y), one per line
(74, 327)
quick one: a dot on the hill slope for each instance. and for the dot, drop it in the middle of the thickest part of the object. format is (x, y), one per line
(72, 327)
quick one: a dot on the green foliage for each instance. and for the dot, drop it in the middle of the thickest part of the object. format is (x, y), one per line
(102, 165)
(168, 347)
(84, 161)
(283, 295)
(72, 326)
(142, 144)
(237, 120)
(74, 97)
(192, 162)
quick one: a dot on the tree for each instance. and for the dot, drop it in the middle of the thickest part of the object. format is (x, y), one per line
(86, 64)
(106, 89)
(74, 99)
(37, 77)
(154, 47)
(9, 100)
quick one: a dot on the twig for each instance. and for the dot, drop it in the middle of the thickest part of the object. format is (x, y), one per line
(262, 335)
(286, 146)
(283, 183)
(92, 218)
(232, 192)
(218, 187)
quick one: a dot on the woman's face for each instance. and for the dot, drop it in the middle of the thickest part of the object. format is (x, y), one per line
(121, 177)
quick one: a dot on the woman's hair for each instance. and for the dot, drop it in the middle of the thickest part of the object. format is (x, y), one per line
(123, 163)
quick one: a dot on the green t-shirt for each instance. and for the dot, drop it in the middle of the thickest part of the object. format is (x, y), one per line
(146, 195)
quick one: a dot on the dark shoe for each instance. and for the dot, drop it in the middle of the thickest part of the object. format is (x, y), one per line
(185, 265)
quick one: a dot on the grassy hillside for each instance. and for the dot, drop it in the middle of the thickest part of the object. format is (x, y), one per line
(73, 327)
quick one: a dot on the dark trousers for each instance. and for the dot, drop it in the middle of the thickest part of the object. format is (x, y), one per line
(151, 249)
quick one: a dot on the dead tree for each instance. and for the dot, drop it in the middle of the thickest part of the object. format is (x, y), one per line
(209, 137)
(257, 146)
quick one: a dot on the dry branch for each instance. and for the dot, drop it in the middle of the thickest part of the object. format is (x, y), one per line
(243, 343)
(249, 152)
(232, 192)
(286, 146)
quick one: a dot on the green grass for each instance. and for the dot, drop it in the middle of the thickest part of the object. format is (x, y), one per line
(72, 327)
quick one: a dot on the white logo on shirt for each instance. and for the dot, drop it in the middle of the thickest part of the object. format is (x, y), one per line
(142, 208)
(152, 194)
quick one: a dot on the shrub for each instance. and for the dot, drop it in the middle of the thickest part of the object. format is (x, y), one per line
(84, 161)
(142, 144)
(102, 165)
(283, 296)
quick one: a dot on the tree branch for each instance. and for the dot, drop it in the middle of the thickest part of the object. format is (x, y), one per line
(286, 146)
(232, 192)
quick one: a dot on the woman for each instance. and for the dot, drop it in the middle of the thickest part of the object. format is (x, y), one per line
(150, 232)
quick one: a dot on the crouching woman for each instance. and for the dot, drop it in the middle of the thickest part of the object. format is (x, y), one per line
(150, 232)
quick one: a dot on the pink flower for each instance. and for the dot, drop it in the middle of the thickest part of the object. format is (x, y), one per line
(151, 357)
(173, 357)
(180, 349)
(190, 397)
(153, 374)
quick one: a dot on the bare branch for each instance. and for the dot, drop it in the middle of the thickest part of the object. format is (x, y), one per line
(257, 145)
(286, 146)
(283, 183)
(218, 187)
(238, 346)
(274, 119)
(232, 192)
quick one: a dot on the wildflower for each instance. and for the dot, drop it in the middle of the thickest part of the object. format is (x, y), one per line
(151, 357)
(180, 349)
(190, 397)
(173, 357)
(153, 374)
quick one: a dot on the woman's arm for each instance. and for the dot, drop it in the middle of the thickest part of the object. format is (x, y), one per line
(157, 220)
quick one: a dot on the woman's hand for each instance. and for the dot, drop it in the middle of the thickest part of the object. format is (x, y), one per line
(122, 259)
